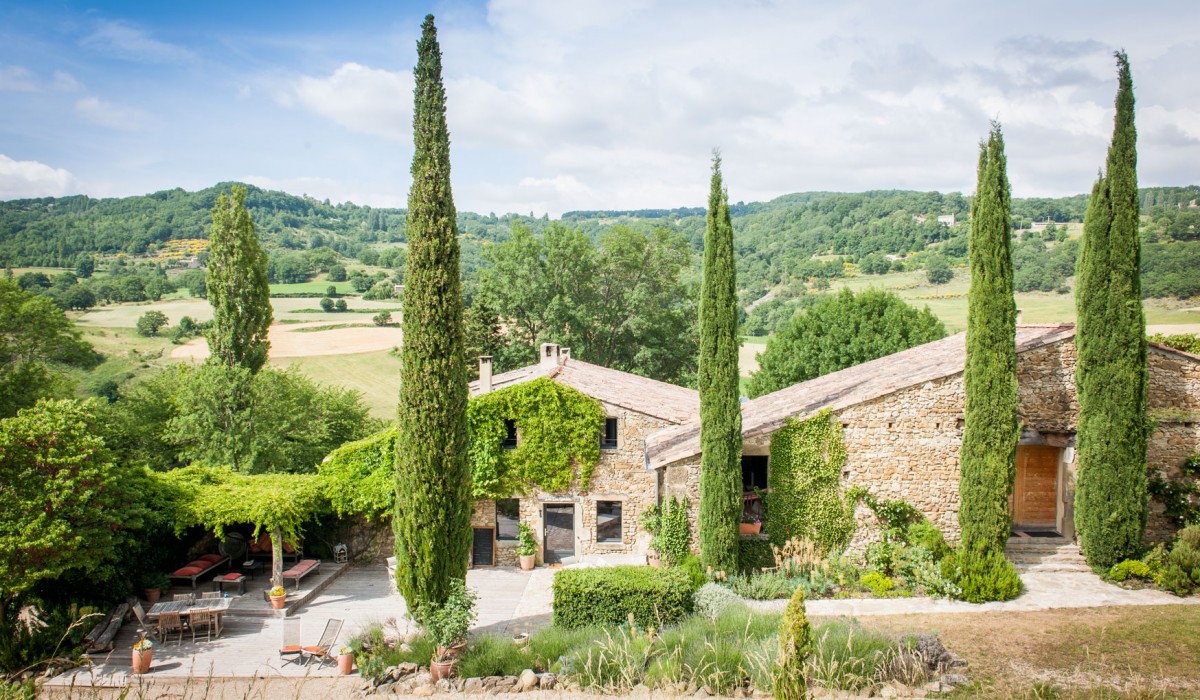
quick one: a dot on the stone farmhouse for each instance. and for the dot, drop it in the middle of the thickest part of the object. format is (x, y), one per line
(902, 418)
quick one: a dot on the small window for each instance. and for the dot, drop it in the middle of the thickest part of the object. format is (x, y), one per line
(608, 441)
(508, 514)
(608, 521)
(510, 435)
(754, 472)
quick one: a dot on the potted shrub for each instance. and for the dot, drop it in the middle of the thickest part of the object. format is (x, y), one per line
(447, 625)
(526, 547)
(153, 584)
(278, 597)
(751, 525)
(143, 654)
(345, 660)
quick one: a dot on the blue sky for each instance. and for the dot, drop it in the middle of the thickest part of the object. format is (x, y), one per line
(587, 104)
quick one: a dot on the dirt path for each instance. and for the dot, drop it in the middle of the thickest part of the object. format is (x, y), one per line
(294, 341)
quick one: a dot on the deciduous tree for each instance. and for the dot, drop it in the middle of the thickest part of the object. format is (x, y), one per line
(1111, 492)
(237, 287)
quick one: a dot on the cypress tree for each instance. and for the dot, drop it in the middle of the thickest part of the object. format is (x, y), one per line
(987, 458)
(720, 411)
(433, 484)
(237, 287)
(1111, 497)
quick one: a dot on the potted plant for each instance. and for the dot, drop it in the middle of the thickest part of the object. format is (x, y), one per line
(345, 660)
(153, 584)
(526, 547)
(751, 525)
(143, 653)
(278, 597)
(447, 624)
(651, 521)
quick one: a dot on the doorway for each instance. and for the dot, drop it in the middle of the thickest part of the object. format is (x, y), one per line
(1035, 492)
(559, 542)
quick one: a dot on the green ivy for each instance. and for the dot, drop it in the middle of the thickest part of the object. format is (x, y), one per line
(1178, 496)
(675, 537)
(805, 479)
(359, 477)
(559, 430)
(895, 515)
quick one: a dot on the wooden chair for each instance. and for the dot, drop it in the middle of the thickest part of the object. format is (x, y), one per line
(145, 627)
(170, 622)
(211, 594)
(291, 651)
(323, 649)
(206, 619)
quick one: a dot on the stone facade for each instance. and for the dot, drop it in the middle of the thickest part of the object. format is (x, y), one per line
(620, 475)
(905, 445)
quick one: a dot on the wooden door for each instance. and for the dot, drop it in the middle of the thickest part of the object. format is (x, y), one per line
(1035, 493)
(560, 532)
(483, 546)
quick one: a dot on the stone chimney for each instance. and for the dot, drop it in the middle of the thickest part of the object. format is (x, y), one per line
(549, 356)
(485, 374)
(1019, 317)
(564, 355)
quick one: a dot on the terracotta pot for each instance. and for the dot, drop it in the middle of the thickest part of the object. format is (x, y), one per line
(441, 669)
(345, 664)
(750, 528)
(654, 559)
(277, 601)
(152, 595)
(142, 660)
(528, 561)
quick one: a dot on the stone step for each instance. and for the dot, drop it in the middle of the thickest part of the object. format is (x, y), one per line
(1038, 541)
(1053, 568)
(1056, 556)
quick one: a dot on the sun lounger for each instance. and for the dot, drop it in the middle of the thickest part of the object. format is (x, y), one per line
(200, 567)
(302, 569)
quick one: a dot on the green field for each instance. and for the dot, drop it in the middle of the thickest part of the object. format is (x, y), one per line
(317, 286)
(375, 374)
(298, 309)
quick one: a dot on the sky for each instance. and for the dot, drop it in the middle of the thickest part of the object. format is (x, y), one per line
(588, 104)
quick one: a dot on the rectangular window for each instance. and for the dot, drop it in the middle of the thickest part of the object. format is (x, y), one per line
(508, 514)
(754, 472)
(608, 441)
(608, 521)
(510, 435)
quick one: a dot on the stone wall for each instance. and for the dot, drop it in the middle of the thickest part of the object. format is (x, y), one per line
(620, 475)
(905, 445)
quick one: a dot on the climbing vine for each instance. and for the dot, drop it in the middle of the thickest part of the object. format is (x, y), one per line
(805, 480)
(559, 431)
(360, 477)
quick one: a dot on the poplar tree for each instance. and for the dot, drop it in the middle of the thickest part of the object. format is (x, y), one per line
(720, 411)
(237, 286)
(1110, 374)
(987, 459)
(433, 484)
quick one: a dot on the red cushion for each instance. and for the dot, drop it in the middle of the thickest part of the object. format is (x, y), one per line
(292, 649)
(187, 571)
(211, 558)
(304, 565)
(231, 577)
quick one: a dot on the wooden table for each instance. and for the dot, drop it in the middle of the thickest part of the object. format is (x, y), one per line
(185, 609)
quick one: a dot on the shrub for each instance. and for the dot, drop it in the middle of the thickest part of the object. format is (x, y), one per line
(878, 583)
(694, 568)
(526, 542)
(340, 305)
(655, 597)
(755, 554)
(447, 623)
(150, 323)
(326, 304)
(383, 318)
(1180, 572)
(983, 575)
(925, 534)
(795, 646)
(490, 655)
(712, 599)
(766, 585)
(1130, 568)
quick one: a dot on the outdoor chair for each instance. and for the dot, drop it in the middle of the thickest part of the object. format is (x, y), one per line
(145, 627)
(290, 651)
(206, 619)
(211, 594)
(323, 650)
(168, 623)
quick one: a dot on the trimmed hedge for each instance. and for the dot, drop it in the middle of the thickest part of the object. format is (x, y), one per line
(608, 595)
(755, 554)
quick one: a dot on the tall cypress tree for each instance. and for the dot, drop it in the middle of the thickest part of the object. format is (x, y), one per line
(1111, 497)
(988, 455)
(237, 287)
(433, 483)
(720, 412)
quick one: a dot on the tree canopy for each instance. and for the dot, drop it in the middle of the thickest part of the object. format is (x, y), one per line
(237, 288)
(841, 331)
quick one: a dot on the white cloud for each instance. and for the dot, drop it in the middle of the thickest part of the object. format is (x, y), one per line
(20, 179)
(126, 41)
(322, 188)
(17, 79)
(64, 82)
(109, 115)
(366, 100)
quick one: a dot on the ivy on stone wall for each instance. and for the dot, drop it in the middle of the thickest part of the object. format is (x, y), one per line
(675, 537)
(805, 480)
(559, 431)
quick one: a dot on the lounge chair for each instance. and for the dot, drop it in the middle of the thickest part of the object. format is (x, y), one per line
(323, 649)
(199, 567)
(291, 651)
(302, 569)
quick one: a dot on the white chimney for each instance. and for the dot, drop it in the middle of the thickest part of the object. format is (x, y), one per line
(485, 374)
(564, 354)
(1018, 317)
(549, 357)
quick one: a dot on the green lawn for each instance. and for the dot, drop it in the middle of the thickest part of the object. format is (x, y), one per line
(374, 374)
(317, 286)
